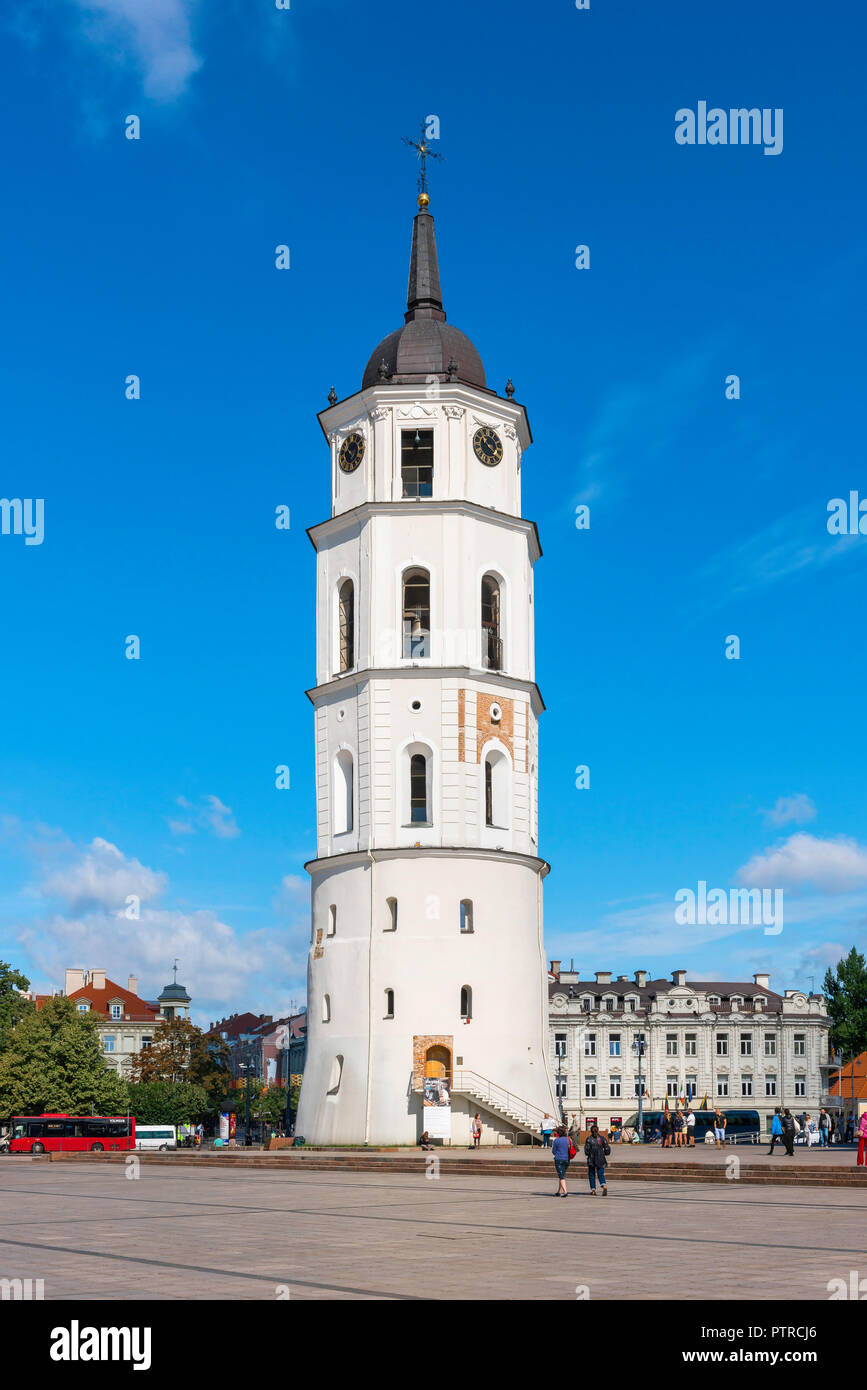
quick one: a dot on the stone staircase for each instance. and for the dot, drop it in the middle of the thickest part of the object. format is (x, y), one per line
(522, 1117)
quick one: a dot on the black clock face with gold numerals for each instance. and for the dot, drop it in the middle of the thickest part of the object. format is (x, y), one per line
(488, 446)
(351, 452)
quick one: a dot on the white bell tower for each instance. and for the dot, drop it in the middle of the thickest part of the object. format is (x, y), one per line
(426, 957)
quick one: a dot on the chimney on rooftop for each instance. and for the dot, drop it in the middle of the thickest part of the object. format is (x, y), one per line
(74, 981)
(678, 977)
(97, 979)
(603, 977)
(641, 978)
(132, 984)
(555, 967)
(761, 980)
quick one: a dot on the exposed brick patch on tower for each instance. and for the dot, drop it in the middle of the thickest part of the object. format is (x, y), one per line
(420, 1045)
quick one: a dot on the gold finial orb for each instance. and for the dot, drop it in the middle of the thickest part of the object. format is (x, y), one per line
(423, 200)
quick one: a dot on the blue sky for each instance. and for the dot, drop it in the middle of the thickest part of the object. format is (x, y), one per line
(155, 257)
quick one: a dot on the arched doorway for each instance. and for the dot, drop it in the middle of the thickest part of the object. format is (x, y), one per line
(438, 1063)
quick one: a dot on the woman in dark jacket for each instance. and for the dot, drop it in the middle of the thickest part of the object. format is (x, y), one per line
(597, 1150)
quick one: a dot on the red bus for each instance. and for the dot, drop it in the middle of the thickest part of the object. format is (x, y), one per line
(39, 1134)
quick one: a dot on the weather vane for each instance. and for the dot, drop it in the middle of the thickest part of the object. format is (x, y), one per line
(424, 152)
(177, 958)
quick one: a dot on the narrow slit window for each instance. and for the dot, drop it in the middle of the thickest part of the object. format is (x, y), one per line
(416, 613)
(346, 617)
(466, 915)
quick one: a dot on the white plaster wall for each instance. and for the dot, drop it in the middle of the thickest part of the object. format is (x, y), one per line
(425, 961)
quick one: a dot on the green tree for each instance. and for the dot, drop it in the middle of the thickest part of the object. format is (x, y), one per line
(54, 1061)
(168, 1102)
(182, 1054)
(13, 1006)
(846, 992)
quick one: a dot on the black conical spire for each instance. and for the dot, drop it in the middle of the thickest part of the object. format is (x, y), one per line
(424, 296)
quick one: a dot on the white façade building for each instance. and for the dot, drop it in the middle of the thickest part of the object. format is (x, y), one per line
(426, 957)
(739, 1043)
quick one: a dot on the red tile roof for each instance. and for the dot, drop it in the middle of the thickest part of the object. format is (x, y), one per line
(135, 1010)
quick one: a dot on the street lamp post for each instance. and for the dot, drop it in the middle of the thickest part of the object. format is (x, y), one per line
(639, 1047)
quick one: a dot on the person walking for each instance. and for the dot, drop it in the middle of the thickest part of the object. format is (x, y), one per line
(788, 1126)
(546, 1128)
(562, 1151)
(719, 1128)
(689, 1120)
(596, 1150)
(850, 1130)
(574, 1131)
(776, 1130)
(477, 1130)
(862, 1140)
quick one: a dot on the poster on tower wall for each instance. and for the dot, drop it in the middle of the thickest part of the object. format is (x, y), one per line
(437, 1117)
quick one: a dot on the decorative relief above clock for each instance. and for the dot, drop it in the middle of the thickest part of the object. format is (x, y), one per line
(454, 412)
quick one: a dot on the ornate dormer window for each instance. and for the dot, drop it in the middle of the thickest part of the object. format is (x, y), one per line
(83, 1006)
(115, 1008)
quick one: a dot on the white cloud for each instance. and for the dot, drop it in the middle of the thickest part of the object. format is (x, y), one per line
(831, 866)
(102, 877)
(211, 815)
(798, 808)
(154, 35)
(222, 968)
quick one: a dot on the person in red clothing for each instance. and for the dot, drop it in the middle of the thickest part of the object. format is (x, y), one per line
(862, 1139)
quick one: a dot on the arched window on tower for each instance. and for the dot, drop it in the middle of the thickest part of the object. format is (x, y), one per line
(466, 1002)
(497, 789)
(343, 792)
(416, 613)
(326, 1008)
(492, 636)
(466, 915)
(418, 789)
(346, 624)
(389, 1003)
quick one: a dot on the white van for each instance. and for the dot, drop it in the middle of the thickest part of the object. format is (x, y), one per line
(156, 1137)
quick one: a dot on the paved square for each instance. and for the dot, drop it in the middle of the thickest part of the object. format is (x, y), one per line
(184, 1233)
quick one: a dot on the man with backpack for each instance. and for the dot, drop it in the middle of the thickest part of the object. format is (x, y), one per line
(596, 1150)
(787, 1123)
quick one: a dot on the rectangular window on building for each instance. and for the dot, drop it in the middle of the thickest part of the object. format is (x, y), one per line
(590, 1087)
(416, 463)
(671, 1087)
(770, 1045)
(690, 1045)
(746, 1085)
(722, 1045)
(800, 1085)
(691, 1086)
(559, 1044)
(746, 1044)
(108, 1043)
(145, 1042)
(800, 1044)
(614, 1087)
(639, 1087)
(671, 1044)
(590, 1045)
(117, 1011)
(722, 1085)
(770, 1085)
(614, 1045)
(560, 1088)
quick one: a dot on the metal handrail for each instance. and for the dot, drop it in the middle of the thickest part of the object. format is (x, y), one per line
(485, 1090)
